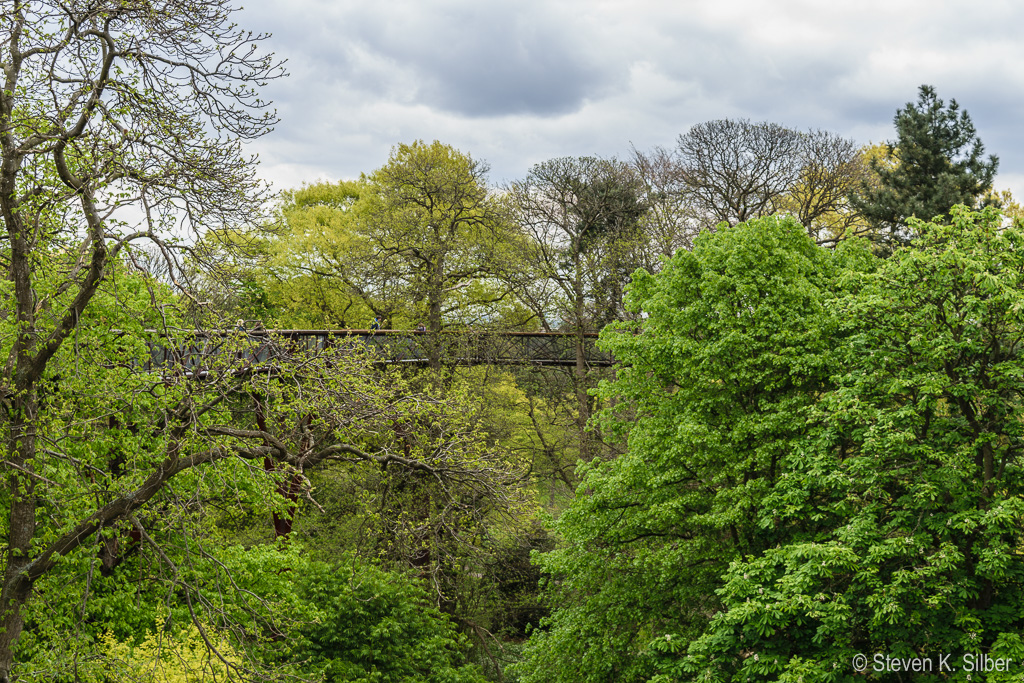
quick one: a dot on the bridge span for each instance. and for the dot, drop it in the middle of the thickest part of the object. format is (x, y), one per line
(457, 347)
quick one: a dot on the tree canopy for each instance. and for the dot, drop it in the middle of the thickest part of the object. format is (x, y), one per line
(903, 508)
(713, 385)
(800, 453)
(823, 459)
(119, 122)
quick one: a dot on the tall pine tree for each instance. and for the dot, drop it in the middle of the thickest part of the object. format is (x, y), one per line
(939, 162)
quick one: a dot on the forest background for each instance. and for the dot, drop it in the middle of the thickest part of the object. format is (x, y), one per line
(814, 399)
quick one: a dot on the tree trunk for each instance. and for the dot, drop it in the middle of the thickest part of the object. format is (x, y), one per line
(580, 371)
(435, 294)
(289, 490)
(16, 587)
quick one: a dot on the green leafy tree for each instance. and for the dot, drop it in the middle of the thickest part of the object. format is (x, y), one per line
(374, 626)
(936, 162)
(714, 384)
(904, 510)
(118, 122)
(117, 437)
(431, 219)
(826, 460)
(320, 273)
(417, 242)
(314, 266)
(270, 606)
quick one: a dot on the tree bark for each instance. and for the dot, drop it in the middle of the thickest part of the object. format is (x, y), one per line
(22, 520)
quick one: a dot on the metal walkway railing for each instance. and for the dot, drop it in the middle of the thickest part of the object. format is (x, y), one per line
(193, 350)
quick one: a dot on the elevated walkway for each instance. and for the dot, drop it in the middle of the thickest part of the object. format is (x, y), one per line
(461, 347)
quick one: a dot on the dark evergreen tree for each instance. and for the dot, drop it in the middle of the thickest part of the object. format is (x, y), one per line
(937, 162)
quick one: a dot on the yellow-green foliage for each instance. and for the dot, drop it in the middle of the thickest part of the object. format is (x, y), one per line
(315, 254)
(163, 658)
(1010, 207)
(528, 425)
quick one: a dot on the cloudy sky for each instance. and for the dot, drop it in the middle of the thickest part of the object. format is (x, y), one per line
(515, 82)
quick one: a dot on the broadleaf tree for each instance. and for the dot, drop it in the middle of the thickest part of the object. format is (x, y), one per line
(123, 123)
(713, 385)
(825, 461)
(430, 217)
(903, 510)
(118, 122)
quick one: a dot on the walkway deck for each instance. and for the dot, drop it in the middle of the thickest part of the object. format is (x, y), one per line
(463, 347)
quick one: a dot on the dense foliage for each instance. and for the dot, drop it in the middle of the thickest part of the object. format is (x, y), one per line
(825, 461)
(903, 511)
(799, 454)
(345, 620)
(718, 378)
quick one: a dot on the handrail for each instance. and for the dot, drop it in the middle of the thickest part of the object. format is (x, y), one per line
(458, 347)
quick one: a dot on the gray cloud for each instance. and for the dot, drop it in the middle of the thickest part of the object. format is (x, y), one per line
(517, 82)
(480, 60)
(470, 59)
